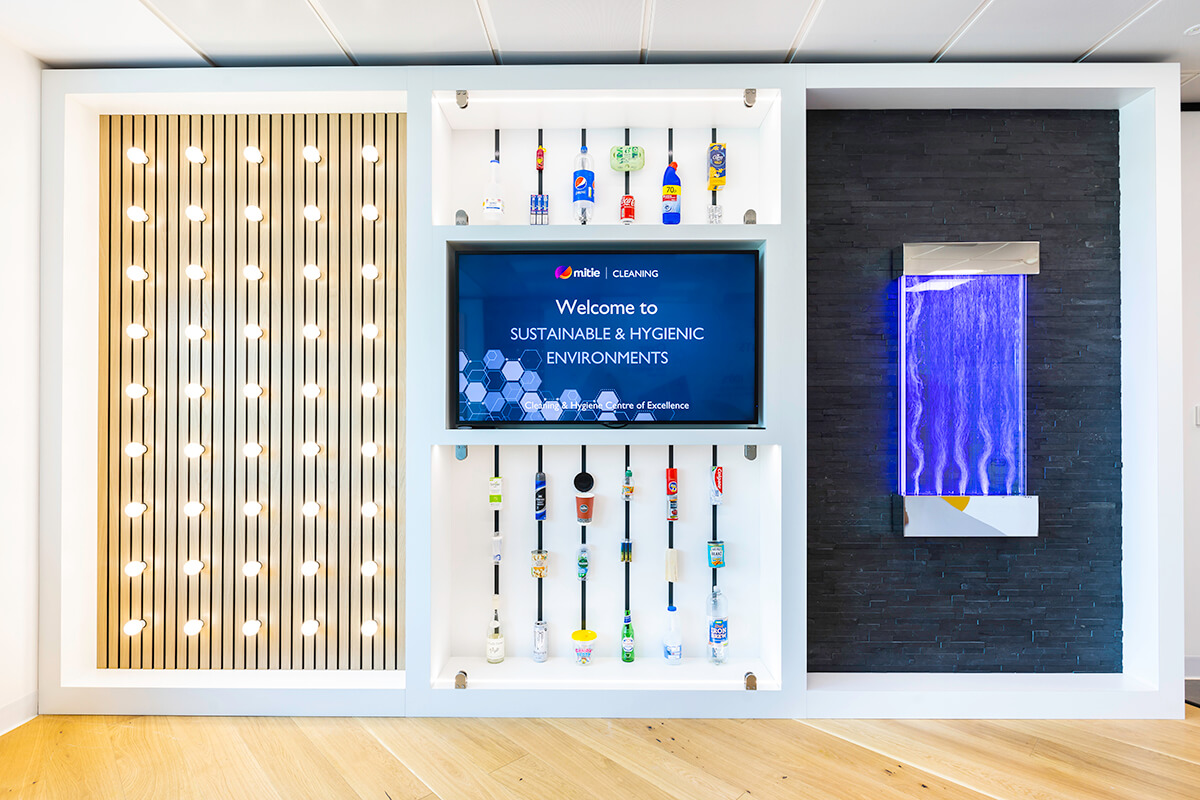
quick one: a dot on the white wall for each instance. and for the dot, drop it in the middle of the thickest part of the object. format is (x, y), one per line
(1191, 386)
(20, 108)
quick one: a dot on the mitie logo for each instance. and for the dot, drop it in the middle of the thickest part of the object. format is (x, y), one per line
(565, 272)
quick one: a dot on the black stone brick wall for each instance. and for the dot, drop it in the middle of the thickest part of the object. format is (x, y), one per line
(878, 602)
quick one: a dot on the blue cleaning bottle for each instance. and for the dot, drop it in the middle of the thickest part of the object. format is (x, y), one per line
(671, 194)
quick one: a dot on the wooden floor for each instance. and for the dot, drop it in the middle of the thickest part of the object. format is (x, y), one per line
(411, 759)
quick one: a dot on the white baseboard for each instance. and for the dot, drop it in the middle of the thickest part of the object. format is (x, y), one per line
(17, 713)
(1191, 668)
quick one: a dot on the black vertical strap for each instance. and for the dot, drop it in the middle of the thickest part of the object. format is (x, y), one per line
(583, 541)
(627, 501)
(627, 192)
(714, 202)
(670, 145)
(496, 516)
(539, 176)
(714, 515)
(539, 469)
(497, 155)
(670, 527)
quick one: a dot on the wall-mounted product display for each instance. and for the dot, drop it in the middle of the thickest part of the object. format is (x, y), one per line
(572, 132)
(962, 389)
(591, 489)
(251, 392)
(584, 337)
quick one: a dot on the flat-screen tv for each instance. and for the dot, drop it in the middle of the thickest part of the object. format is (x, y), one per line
(605, 337)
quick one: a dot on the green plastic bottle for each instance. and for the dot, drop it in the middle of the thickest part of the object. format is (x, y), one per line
(627, 639)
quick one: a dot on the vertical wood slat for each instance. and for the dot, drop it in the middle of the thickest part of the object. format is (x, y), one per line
(340, 478)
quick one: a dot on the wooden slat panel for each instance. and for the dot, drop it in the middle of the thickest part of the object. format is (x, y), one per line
(340, 420)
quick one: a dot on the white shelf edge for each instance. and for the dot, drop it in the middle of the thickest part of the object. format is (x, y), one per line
(648, 673)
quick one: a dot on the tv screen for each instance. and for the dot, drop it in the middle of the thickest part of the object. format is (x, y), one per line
(645, 337)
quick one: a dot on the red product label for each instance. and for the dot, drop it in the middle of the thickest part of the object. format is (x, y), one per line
(627, 207)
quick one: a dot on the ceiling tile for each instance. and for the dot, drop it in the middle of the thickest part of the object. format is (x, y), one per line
(712, 30)
(1007, 30)
(246, 33)
(882, 30)
(1158, 36)
(566, 31)
(83, 33)
(381, 32)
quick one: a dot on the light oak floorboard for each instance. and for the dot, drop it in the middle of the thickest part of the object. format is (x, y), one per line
(294, 765)
(18, 749)
(449, 769)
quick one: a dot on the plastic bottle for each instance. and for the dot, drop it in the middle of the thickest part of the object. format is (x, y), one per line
(671, 193)
(673, 639)
(584, 191)
(627, 639)
(718, 626)
(495, 639)
(493, 196)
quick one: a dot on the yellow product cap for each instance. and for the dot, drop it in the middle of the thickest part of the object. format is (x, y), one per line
(583, 636)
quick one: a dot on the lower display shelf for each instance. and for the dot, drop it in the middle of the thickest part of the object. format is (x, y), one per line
(694, 674)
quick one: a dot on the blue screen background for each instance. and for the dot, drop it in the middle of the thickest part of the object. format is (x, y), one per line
(524, 376)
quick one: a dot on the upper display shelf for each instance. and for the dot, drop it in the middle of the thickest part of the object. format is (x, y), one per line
(662, 127)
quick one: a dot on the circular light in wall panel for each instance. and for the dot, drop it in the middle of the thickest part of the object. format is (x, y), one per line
(193, 449)
(311, 154)
(370, 212)
(312, 272)
(370, 153)
(369, 390)
(252, 450)
(135, 568)
(193, 566)
(136, 273)
(135, 509)
(370, 449)
(370, 628)
(253, 331)
(370, 330)
(193, 509)
(133, 627)
(309, 568)
(252, 509)
(195, 272)
(370, 271)
(194, 391)
(195, 213)
(370, 569)
(194, 155)
(251, 569)
(252, 273)
(137, 214)
(310, 627)
(310, 449)
(137, 155)
(135, 391)
(136, 331)
(194, 332)
(253, 213)
(252, 627)
(135, 449)
(310, 509)
(369, 509)
(311, 331)
(193, 627)
(253, 154)
(312, 213)
(252, 391)
(311, 391)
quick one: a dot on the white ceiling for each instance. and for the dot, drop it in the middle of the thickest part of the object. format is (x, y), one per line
(78, 33)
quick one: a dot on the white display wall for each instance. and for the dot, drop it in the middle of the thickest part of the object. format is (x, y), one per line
(448, 149)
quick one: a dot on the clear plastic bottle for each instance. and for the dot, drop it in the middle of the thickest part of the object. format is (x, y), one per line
(495, 640)
(718, 626)
(493, 195)
(584, 187)
(673, 638)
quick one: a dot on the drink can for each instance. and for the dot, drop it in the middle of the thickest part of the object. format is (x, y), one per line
(716, 485)
(716, 554)
(627, 209)
(537, 563)
(539, 496)
(541, 641)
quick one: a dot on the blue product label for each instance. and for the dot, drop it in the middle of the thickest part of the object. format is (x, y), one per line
(672, 652)
(584, 188)
(718, 631)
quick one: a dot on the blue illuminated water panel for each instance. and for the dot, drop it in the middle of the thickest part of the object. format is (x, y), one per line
(962, 382)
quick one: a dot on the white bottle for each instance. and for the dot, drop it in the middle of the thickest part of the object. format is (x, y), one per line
(718, 626)
(673, 639)
(583, 196)
(495, 640)
(493, 196)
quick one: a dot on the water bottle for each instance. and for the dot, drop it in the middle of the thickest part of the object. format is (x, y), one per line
(493, 196)
(584, 197)
(718, 626)
(673, 638)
